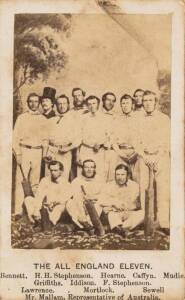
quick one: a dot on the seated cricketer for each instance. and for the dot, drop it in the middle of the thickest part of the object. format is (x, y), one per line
(53, 192)
(87, 186)
(120, 201)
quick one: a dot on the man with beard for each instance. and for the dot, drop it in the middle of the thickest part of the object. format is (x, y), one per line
(138, 103)
(109, 100)
(47, 102)
(79, 100)
(28, 138)
(120, 201)
(86, 186)
(95, 136)
(52, 195)
(125, 142)
(78, 110)
(155, 149)
(63, 135)
(108, 109)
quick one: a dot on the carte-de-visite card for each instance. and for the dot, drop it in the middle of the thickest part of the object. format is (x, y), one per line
(91, 146)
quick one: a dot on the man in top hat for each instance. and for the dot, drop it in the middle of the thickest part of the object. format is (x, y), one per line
(28, 138)
(63, 135)
(155, 149)
(47, 102)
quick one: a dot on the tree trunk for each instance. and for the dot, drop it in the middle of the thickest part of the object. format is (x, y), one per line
(17, 102)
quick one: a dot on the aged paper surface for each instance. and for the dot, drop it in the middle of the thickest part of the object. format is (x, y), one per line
(91, 150)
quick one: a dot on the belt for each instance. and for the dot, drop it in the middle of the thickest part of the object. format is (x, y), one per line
(151, 153)
(124, 146)
(59, 146)
(91, 147)
(30, 147)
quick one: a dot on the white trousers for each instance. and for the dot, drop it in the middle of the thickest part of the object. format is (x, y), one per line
(33, 209)
(77, 211)
(30, 158)
(162, 178)
(65, 159)
(128, 221)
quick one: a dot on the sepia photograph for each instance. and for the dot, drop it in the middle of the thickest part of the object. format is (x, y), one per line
(92, 150)
(91, 131)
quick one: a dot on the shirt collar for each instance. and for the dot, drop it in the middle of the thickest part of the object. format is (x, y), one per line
(108, 112)
(33, 112)
(152, 114)
(128, 115)
(50, 114)
(58, 180)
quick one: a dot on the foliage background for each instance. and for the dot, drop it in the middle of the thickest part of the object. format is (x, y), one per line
(98, 53)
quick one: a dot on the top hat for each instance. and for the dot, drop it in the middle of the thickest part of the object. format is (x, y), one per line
(49, 92)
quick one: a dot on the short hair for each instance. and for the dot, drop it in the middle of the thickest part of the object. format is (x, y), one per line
(63, 96)
(54, 163)
(92, 97)
(108, 93)
(88, 160)
(148, 92)
(122, 166)
(78, 89)
(33, 95)
(138, 90)
(125, 97)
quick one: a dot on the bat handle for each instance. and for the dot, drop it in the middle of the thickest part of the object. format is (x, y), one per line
(83, 190)
(22, 172)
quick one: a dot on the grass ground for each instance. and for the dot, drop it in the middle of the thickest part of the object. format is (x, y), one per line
(26, 236)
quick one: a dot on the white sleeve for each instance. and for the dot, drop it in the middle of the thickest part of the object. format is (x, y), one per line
(17, 136)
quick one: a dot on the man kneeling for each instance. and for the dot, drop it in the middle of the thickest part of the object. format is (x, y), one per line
(52, 194)
(120, 200)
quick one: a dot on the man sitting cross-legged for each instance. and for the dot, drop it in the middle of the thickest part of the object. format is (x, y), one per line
(51, 197)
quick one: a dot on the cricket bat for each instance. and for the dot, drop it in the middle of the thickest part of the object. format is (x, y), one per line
(26, 184)
(93, 215)
(149, 204)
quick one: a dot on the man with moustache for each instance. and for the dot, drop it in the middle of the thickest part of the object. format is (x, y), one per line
(63, 135)
(155, 150)
(52, 195)
(125, 142)
(95, 136)
(47, 102)
(108, 109)
(86, 186)
(79, 100)
(108, 100)
(78, 110)
(28, 138)
(138, 103)
(120, 201)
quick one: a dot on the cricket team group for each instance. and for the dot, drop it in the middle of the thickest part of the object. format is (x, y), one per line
(79, 149)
